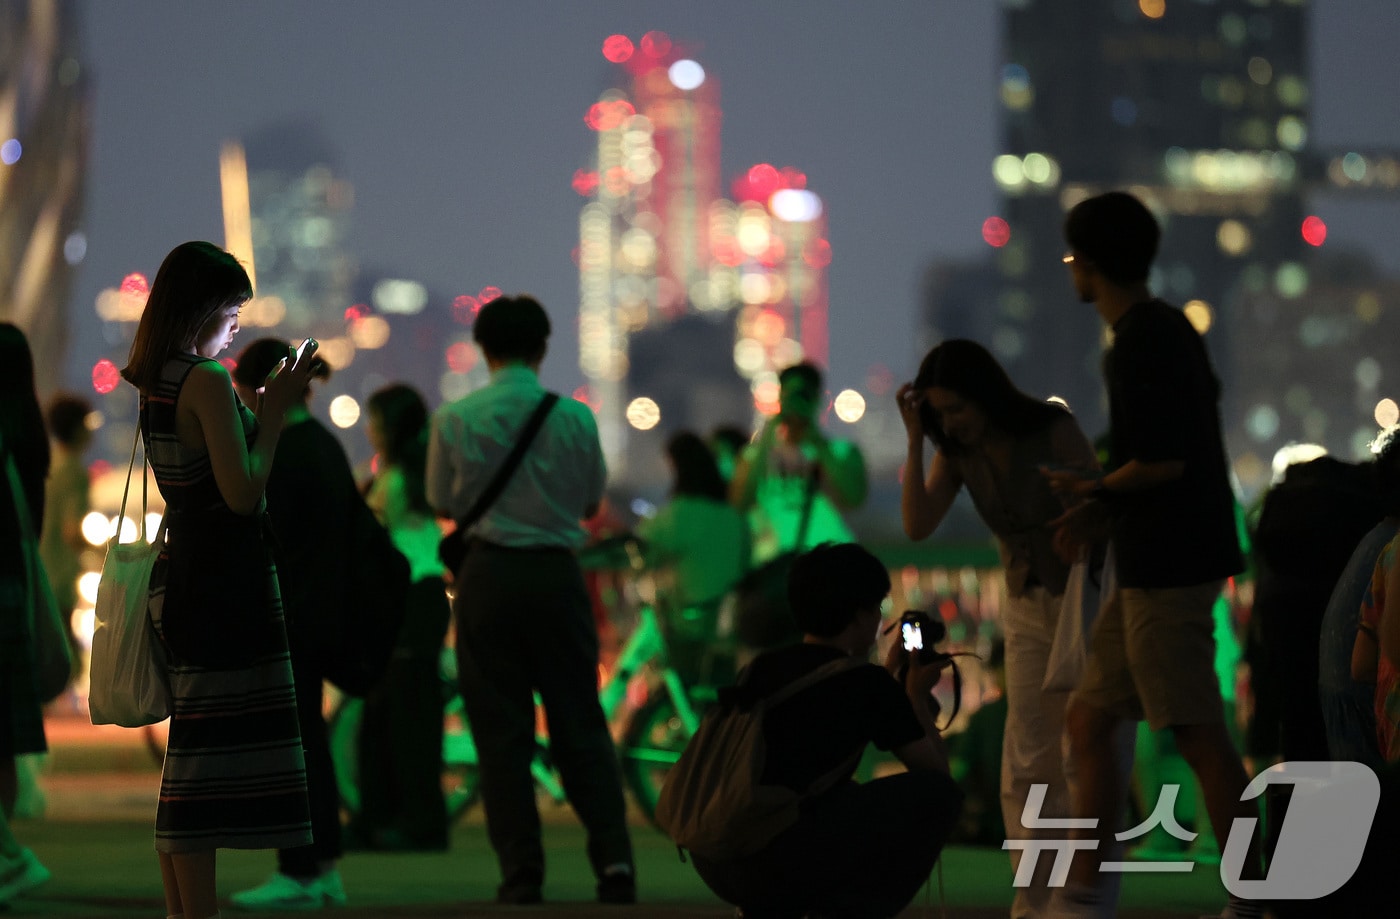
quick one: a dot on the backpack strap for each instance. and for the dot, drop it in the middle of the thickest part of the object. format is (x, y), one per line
(832, 668)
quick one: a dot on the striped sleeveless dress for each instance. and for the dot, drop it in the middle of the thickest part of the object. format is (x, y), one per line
(234, 774)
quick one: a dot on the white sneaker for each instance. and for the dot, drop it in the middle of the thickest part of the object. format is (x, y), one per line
(332, 890)
(281, 892)
(21, 874)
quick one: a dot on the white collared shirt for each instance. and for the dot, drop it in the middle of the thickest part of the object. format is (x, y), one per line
(561, 476)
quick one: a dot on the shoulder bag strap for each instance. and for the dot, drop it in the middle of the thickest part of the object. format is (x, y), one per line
(810, 679)
(507, 469)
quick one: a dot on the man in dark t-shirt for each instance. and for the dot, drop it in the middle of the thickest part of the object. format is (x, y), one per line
(1167, 506)
(858, 850)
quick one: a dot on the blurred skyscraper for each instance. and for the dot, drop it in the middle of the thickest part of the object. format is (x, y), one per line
(1202, 110)
(44, 122)
(658, 242)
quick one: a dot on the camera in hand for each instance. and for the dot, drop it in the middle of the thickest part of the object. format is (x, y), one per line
(920, 632)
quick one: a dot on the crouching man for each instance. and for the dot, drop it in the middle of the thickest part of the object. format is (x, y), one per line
(847, 849)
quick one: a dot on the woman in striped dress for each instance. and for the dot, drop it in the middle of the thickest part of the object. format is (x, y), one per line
(234, 775)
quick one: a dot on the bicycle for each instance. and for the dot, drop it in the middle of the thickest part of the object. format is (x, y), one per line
(651, 709)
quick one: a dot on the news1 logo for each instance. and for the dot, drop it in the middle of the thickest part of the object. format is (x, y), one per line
(1319, 847)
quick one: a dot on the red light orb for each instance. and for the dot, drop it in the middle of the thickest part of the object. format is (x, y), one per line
(355, 313)
(105, 376)
(764, 180)
(135, 283)
(792, 178)
(1314, 231)
(487, 295)
(461, 357)
(617, 48)
(996, 232)
(228, 363)
(585, 395)
(656, 44)
(465, 308)
(585, 182)
(817, 253)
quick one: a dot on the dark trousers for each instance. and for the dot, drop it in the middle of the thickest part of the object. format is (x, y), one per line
(400, 744)
(323, 793)
(857, 852)
(524, 625)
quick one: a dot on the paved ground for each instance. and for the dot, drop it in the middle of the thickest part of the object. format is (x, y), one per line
(96, 837)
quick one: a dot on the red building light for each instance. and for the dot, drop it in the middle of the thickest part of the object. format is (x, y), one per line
(617, 48)
(1314, 231)
(996, 232)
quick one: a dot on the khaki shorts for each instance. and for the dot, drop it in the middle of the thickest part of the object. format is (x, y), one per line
(1152, 655)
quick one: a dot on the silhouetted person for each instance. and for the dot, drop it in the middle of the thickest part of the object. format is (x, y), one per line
(523, 618)
(1167, 503)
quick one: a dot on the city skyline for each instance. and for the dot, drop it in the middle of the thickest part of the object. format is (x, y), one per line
(461, 155)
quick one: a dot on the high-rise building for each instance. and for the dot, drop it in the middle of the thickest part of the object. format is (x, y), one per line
(658, 242)
(1200, 109)
(44, 124)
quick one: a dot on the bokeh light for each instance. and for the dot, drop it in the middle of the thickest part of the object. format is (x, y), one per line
(996, 232)
(1387, 413)
(643, 413)
(1199, 314)
(686, 75)
(344, 411)
(461, 357)
(105, 376)
(465, 308)
(487, 294)
(1314, 231)
(10, 152)
(656, 44)
(795, 205)
(618, 48)
(1153, 9)
(849, 406)
(370, 333)
(96, 528)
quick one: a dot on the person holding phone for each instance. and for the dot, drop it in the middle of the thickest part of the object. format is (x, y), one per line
(310, 481)
(994, 439)
(234, 774)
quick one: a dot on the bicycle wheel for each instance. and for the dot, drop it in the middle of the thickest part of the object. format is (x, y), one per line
(650, 747)
(461, 779)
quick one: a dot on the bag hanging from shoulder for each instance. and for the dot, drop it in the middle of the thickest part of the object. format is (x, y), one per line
(714, 803)
(48, 635)
(1086, 591)
(130, 683)
(53, 655)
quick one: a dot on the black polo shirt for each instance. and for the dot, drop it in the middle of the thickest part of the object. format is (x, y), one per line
(1164, 404)
(810, 734)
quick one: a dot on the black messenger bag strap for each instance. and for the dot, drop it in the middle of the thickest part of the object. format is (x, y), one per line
(512, 462)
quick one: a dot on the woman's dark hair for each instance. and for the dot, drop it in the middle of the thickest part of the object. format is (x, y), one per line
(1117, 233)
(21, 421)
(968, 369)
(196, 280)
(403, 421)
(67, 418)
(259, 356)
(697, 473)
(830, 584)
(512, 328)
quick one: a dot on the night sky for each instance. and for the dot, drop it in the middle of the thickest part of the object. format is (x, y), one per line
(460, 124)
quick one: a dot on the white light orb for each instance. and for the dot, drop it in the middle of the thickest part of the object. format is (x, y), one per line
(849, 406)
(643, 413)
(345, 411)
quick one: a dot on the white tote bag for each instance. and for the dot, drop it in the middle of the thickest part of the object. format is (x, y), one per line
(129, 684)
(1084, 596)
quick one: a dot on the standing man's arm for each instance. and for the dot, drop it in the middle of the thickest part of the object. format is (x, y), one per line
(438, 474)
(752, 466)
(843, 471)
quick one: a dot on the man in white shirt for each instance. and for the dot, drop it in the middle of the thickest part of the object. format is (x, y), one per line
(524, 623)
